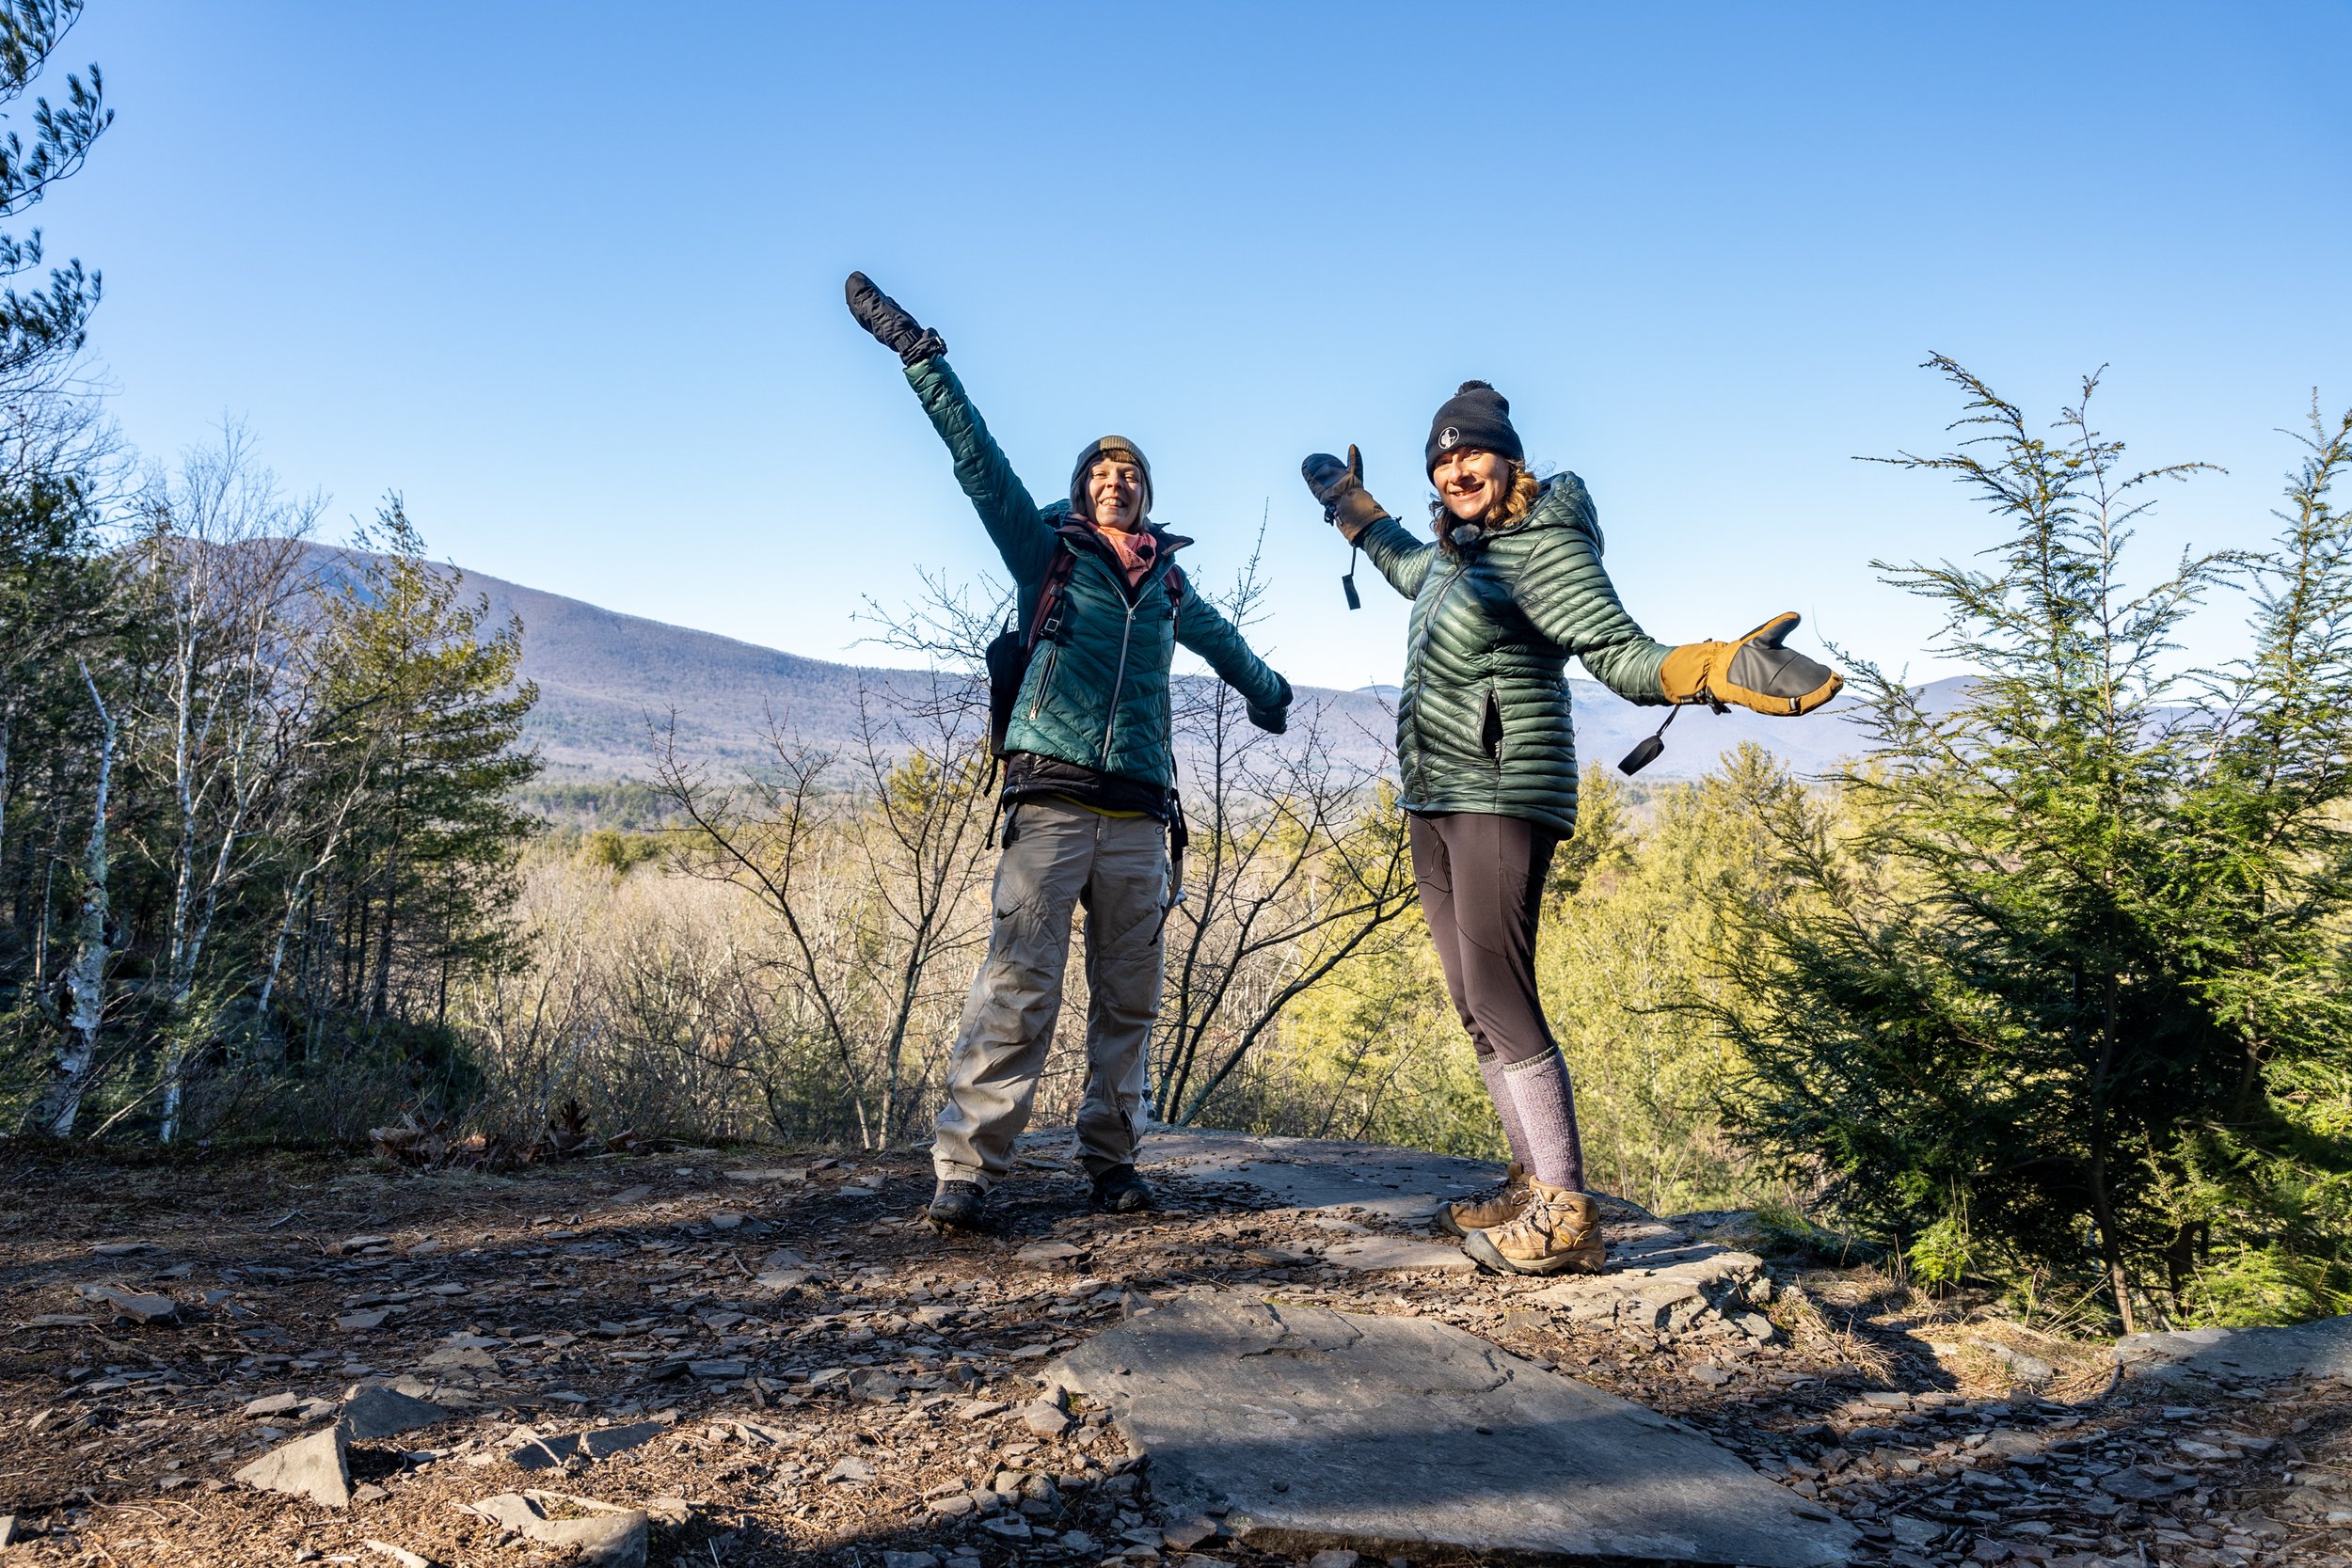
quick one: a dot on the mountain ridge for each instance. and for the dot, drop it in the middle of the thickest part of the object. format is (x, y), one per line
(606, 679)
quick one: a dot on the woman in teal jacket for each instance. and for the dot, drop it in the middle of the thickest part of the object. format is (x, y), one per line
(1509, 588)
(1089, 784)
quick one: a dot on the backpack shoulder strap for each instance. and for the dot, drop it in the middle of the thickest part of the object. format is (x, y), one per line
(1046, 620)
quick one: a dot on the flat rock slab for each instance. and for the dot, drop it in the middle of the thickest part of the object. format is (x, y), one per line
(372, 1410)
(535, 1453)
(605, 1536)
(139, 1306)
(1660, 1281)
(785, 1270)
(1397, 1436)
(1049, 1252)
(1398, 1185)
(2319, 1349)
(317, 1467)
(1395, 1255)
(462, 1352)
(873, 1383)
(1327, 1177)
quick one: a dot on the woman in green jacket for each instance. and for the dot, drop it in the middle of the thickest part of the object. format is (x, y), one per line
(1511, 585)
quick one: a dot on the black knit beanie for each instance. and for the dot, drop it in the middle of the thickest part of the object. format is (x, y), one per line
(1109, 446)
(1476, 415)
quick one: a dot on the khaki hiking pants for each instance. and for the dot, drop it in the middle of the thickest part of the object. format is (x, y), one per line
(1057, 857)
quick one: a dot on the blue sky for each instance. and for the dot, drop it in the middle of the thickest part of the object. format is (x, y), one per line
(570, 275)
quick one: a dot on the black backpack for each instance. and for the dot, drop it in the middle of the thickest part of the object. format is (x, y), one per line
(1009, 651)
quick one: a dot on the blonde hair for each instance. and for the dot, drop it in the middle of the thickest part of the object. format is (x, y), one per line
(1505, 514)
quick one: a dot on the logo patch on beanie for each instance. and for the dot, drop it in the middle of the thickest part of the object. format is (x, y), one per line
(1446, 439)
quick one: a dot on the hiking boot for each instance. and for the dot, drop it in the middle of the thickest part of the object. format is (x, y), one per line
(1120, 1191)
(1501, 1206)
(1559, 1233)
(957, 1204)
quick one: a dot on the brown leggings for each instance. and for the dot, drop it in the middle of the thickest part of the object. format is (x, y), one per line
(1482, 890)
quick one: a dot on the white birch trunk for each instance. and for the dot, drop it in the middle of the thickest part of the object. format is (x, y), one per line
(230, 584)
(86, 979)
(177, 966)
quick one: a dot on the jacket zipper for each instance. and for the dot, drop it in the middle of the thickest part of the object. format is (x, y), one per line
(1428, 626)
(1044, 678)
(1110, 716)
(1429, 622)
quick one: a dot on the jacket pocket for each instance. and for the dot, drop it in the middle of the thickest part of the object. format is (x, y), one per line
(1044, 678)
(1490, 728)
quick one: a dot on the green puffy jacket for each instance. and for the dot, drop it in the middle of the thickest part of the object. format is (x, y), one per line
(1484, 723)
(1099, 697)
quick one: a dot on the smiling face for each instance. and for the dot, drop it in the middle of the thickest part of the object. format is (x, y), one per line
(1115, 494)
(1471, 483)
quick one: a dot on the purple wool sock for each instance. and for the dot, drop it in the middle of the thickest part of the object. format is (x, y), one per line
(1499, 1090)
(1547, 1110)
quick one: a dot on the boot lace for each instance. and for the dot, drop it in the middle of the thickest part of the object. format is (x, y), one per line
(1548, 1219)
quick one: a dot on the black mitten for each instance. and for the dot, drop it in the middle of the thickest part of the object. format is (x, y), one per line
(896, 331)
(1275, 720)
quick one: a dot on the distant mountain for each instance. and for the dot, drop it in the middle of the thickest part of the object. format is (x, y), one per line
(605, 678)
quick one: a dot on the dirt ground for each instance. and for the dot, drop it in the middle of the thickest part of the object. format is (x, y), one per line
(806, 1373)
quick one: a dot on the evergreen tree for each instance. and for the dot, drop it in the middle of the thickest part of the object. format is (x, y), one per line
(55, 588)
(42, 329)
(2259, 1208)
(2063, 995)
(421, 700)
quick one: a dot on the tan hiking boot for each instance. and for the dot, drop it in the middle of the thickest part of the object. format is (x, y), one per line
(1500, 1207)
(1560, 1233)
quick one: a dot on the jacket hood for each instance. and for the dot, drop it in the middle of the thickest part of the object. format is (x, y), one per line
(1564, 503)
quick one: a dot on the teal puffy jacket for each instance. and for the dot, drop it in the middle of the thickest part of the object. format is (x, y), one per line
(1099, 697)
(1483, 722)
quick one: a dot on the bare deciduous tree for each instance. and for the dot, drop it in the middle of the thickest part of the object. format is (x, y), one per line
(1302, 860)
(222, 566)
(871, 880)
(85, 976)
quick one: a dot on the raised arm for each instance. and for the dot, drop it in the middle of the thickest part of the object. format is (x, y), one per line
(1566, 593)
(1402, 558)
(1021, 537)
(1199, 628)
